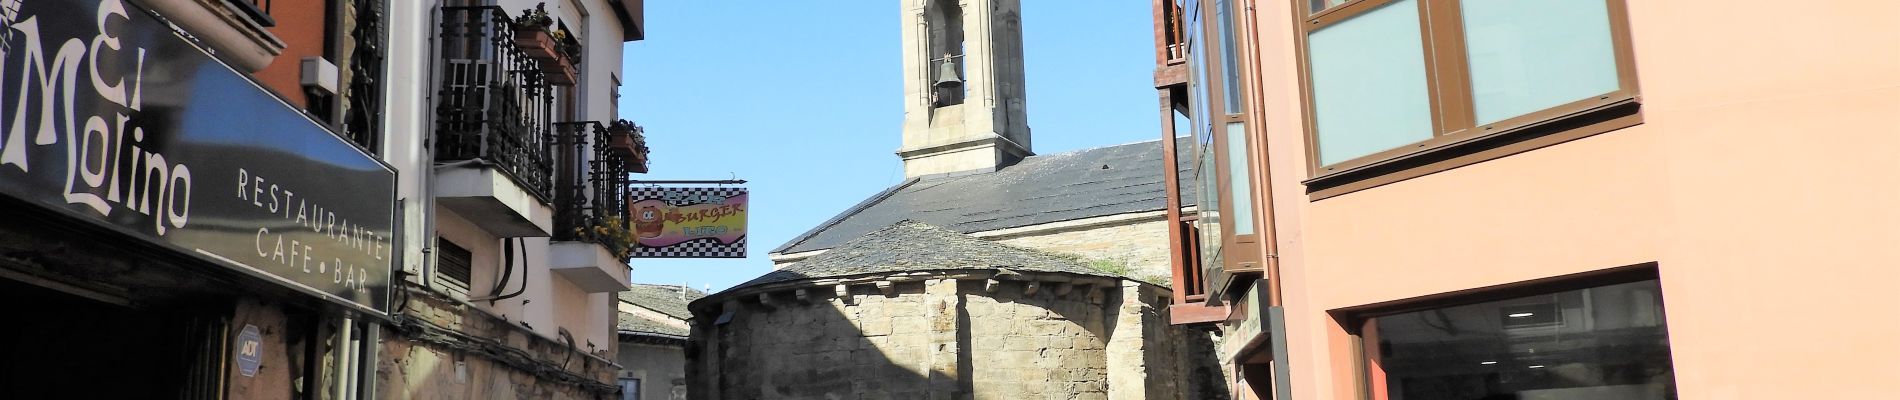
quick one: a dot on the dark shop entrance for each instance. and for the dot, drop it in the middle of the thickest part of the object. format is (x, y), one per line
(59, 345)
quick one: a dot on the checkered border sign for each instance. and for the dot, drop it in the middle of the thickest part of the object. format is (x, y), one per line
(697, 248)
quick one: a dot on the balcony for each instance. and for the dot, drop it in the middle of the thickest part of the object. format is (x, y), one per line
(493, 162)
(1171, 47)
(592, 234)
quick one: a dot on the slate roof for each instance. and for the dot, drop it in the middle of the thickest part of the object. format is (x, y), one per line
(663, 298)
(915, 246)
(634, 323)
(1041, 189)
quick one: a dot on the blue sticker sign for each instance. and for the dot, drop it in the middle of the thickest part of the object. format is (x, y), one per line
(250, 350)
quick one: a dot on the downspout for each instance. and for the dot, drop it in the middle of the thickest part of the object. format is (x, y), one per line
(1276, 307)
(354, 373)
(426, 186)
(366, 377)
(343, 358)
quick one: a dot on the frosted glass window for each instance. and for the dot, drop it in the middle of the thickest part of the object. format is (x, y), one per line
(1241, 206)
(1369, 91)
(1528, 56)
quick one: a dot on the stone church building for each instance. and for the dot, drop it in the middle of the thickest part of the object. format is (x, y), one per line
(916, 311)
(968, 164)
(989, 273)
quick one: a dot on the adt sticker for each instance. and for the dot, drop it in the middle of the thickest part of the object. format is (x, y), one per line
(250, 350)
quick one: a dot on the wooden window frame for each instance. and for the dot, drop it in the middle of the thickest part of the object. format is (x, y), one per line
(1360, 322)
(1240, 253)
(1457, 139)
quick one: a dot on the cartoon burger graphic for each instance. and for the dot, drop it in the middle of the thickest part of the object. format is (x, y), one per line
(647, 223)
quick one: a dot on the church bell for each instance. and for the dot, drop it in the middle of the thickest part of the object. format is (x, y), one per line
(947, 75)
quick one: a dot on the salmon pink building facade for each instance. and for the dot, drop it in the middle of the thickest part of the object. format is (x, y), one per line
(1579, 199)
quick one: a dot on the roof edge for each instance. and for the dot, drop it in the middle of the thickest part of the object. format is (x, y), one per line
(847, 213)
(1022, 230)
(650, 335)
(912, 276)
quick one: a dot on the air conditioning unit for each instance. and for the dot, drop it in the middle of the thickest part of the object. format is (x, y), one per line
(319, 76)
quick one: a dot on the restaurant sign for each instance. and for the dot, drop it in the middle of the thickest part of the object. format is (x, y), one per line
(110, 117)
(688, 222)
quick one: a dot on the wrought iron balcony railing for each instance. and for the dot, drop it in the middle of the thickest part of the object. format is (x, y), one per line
(493, 104)
(590, 195)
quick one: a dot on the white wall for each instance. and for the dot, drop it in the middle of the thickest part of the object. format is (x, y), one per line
(550, 302)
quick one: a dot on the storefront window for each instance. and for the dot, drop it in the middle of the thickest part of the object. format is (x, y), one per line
(1605, 342)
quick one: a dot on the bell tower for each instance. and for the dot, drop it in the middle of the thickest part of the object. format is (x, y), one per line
(963, 86)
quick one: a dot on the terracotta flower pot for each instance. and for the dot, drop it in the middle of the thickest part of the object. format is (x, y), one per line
(621, 143)
(535, 42)
(559, 72)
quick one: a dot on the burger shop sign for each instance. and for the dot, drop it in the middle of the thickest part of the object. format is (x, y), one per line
(688, 222)
(111, 118)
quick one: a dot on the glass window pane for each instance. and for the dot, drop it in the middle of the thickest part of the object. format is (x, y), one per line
(1241, 205)
(1322, 5)
(630, 389)
(1184, 157)
(1606, 342)
(1527, 56)
(1369, 92)
(1210, 209)
(1230, 57)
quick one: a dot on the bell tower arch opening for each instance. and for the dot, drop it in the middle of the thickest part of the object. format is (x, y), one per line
(945, 21)
(964, 109)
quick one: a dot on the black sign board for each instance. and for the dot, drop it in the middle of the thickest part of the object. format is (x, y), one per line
(112, 117)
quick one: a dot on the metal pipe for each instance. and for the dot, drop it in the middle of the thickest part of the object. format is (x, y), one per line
(1276, 313)
(341, 348)
(366, 378)
(354, 373)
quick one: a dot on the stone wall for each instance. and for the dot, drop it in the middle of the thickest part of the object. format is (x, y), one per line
(1142, 243)
(1036, 345)
(445, 350)
(941, 339)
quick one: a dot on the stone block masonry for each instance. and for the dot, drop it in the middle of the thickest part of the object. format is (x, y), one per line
(447, 350)
(1141, 243)
(942, 338)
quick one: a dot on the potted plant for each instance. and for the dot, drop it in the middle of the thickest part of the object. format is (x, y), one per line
(559, 70)
(533, 33)
(624, 138)
(567, 45)
(611, 232)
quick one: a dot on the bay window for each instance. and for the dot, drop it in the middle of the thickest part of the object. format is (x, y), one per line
(1394, 81)
(1220, 110)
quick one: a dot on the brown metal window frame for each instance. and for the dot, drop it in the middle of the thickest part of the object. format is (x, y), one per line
(1240, 253)
(1457, 138)
(1360, 322)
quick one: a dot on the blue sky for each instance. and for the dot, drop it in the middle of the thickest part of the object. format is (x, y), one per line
(805, 101)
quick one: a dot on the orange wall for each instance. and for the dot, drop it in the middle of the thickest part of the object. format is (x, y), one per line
(300, 25)
(1765, 182)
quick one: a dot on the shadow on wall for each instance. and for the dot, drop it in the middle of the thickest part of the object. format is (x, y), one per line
(975, 339)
